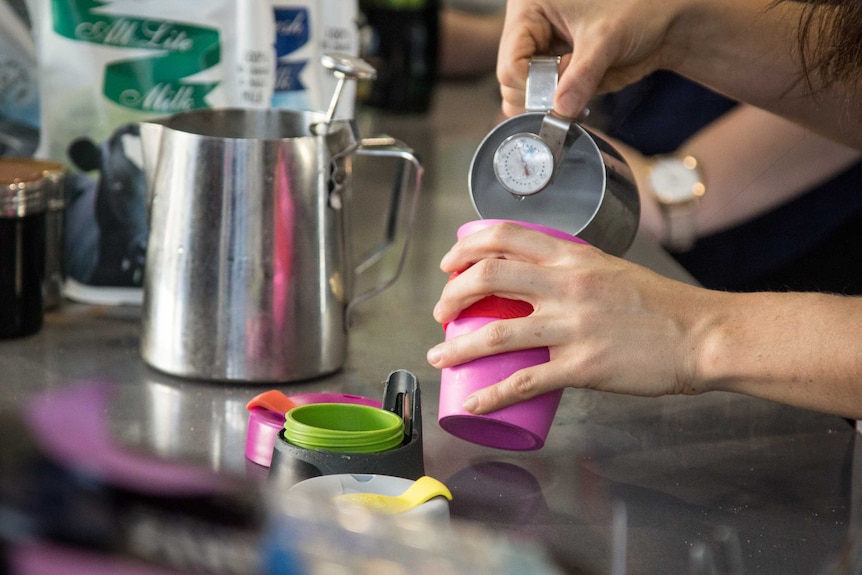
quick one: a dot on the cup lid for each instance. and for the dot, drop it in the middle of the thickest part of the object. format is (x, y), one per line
(343, 427)
(266, 420)
(475, 225)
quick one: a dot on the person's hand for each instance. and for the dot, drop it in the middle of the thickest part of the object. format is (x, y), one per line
(605, 45)
(610, 324)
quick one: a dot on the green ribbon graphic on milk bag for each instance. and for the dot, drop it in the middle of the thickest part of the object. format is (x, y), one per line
(152, 84)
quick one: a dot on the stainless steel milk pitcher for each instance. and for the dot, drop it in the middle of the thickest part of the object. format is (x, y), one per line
(544, 169)
(249, 273)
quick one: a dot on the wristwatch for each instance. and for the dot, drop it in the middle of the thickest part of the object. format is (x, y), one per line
(677, 184)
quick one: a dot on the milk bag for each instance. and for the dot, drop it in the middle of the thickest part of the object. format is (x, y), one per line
(304, 31)
(19, 96)
(104, 66)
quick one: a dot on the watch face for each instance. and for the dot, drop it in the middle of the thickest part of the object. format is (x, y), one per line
(523, 164)
(674, 181)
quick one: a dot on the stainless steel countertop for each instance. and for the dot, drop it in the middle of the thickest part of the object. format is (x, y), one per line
(684, 467)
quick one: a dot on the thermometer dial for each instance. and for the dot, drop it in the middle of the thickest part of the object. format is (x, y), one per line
(524, 164)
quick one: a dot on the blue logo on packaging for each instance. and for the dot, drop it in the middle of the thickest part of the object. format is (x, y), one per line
(288, 76)
(292, 30)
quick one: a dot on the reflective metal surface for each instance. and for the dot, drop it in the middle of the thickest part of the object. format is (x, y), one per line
(589, 191)
(250, 267)
(672, 474)
(592, 196)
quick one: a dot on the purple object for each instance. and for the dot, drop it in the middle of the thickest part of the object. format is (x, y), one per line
(70, 426)
(520, 427)
(476, 225)
(51, 559)
(263, 427)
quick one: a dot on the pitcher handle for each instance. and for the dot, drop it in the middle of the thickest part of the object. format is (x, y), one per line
(385, 146)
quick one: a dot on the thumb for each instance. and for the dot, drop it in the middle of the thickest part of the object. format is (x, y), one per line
(581, 74)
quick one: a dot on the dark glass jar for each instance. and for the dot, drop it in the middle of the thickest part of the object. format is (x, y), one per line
(22, 247)
(401, 41)
(55, 220)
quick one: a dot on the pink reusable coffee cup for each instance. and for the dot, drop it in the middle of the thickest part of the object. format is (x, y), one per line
(523, 426)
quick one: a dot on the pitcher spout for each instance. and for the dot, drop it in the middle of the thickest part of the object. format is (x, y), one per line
(151, 140)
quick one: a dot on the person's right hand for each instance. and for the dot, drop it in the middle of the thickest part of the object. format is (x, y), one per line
(605, 45)
(609, 324)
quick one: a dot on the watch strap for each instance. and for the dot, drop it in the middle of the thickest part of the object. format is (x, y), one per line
(681, 226)
(679, 215)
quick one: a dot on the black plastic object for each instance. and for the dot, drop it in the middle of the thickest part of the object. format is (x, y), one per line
(402, 46)
(292, 464)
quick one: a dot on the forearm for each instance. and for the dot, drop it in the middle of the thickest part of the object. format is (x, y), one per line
(468, 44)
(803, 349)
(754, 161)
(749, 51)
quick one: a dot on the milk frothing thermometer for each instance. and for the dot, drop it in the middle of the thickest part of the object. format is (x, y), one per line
(542, 168)
(525, 162)
(344, 67)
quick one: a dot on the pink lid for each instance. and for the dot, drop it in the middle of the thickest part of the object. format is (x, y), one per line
(476, 225)
(263, 428)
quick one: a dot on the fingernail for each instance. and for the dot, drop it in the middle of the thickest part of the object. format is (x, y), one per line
(436, 310)
(434, 356)
(567, 103)
(471, 404)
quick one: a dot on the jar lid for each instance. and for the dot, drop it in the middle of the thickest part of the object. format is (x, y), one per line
(55, 172)
(27, 186)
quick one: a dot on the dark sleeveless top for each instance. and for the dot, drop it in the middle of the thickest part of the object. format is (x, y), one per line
(813, 242)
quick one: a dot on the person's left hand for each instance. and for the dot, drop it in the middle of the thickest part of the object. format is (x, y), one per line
(609, 324)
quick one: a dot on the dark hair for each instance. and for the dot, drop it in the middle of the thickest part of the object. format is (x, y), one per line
(830, 41)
